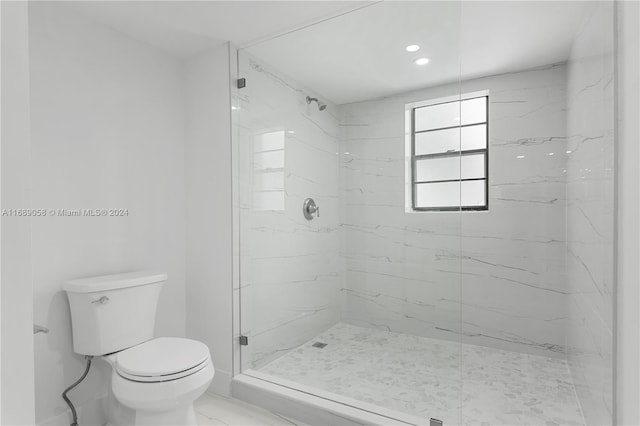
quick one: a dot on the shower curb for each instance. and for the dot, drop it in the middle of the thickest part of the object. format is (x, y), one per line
(280, 396)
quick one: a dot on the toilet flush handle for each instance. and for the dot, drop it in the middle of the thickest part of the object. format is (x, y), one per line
(39, 329)
(102, 300)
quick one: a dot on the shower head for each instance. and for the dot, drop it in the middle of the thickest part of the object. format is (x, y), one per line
(321, 106)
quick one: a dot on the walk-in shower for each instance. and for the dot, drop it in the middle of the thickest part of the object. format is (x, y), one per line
(462, 267)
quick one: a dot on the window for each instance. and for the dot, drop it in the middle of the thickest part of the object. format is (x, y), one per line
(447, 154)
(268, 171)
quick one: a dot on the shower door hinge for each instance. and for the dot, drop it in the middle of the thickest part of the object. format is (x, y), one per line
(242, 83)
(435, 422)
(244, 340)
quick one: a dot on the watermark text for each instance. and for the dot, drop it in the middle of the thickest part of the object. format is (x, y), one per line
(65, 212)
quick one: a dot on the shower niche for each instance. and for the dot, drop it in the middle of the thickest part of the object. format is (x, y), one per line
(498, 315)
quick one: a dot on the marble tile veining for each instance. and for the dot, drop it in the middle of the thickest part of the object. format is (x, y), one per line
(590, 212)
(427, 377)
(412, 272)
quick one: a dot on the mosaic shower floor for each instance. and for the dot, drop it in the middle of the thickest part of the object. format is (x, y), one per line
(422, 377)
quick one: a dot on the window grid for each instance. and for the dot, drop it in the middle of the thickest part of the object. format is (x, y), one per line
(449, 154)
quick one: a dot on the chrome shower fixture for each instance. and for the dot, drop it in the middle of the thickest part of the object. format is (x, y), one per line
(321, 106)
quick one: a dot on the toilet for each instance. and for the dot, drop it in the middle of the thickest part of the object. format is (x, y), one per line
(153, 380)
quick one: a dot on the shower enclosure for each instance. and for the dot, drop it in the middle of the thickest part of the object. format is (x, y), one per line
(428, 233)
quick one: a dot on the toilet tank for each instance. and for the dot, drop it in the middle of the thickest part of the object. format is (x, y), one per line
(113, 312)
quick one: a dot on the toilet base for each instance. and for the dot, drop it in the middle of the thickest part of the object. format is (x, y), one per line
(167, 403)
(123, 416)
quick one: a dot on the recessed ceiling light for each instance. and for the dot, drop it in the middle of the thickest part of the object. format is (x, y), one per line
(291, 132)
(412, 48)
(520, 156)
(568, 152)
(551, 153)
(422, 61)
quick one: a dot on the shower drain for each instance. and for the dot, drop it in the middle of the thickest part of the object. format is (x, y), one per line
(319, 345)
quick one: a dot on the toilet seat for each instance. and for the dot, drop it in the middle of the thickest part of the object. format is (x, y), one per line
(162, 359)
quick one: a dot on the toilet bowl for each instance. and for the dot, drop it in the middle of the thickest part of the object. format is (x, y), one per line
(159, 380)
(153, 380)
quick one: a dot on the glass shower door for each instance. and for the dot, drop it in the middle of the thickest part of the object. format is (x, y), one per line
(290, 265)
(357, 301)
(537, 265)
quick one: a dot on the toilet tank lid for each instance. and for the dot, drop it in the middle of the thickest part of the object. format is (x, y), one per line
(113, 282)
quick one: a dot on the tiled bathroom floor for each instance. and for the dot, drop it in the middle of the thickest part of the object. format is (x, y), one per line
(217, 410)
(422, 377)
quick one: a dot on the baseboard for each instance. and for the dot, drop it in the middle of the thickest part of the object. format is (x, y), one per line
(91, 413)
(221, 384)
(312, 406)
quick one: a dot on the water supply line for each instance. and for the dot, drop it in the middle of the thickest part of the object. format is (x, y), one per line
(64, 394)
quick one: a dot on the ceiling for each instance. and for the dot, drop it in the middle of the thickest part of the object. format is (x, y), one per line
(184, 28)
(359, 54)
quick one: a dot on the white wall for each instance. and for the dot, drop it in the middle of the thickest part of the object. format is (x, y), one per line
(17, 302)
(590, 212)
(628, 215)
(403, 269)
(107, 132)
(208, 194)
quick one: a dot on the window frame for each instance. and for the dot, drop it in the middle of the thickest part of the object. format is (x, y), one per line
(448, 154)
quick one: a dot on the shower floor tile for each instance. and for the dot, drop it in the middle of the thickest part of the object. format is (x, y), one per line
(423, 377)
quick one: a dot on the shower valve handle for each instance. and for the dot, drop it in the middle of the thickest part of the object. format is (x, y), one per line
(309, 209)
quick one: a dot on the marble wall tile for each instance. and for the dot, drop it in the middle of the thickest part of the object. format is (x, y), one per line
(403, 270)
(590, 214)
